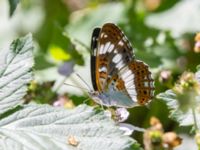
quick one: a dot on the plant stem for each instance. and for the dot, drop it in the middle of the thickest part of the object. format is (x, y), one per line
(61, 83)
(195, 119)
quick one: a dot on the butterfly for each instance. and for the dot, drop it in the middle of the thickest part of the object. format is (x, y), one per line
(118, 78)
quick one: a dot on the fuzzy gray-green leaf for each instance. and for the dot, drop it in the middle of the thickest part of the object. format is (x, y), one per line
(15, 72)
(184, 118)
(45, 127)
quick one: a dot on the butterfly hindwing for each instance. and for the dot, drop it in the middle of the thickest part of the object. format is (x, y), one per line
(135, 81)
(138, 81)
(143, 81)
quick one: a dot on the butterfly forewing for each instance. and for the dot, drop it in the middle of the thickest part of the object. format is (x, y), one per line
(94, 43)
(113, 53)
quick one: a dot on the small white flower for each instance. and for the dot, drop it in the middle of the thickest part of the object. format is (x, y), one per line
(121, 114)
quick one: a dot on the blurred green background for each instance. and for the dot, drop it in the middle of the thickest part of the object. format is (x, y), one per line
(162, 33)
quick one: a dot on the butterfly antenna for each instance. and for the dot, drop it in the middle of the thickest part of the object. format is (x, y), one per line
(84, 82)
(85, 90)
(76, 86)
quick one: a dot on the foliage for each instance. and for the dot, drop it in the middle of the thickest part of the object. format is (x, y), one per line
(163, 36)
(184, 118)
(15, 73)
(13, 5)
(46, 127)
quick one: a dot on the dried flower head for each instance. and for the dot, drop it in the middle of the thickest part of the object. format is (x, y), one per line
(72, 141)
(155, 123)
(171, 139)
(155, 138)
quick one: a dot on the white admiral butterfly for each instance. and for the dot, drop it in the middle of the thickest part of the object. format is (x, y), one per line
(118, 78)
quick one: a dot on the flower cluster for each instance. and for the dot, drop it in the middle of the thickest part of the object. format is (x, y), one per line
(187, 90)
(155, 138)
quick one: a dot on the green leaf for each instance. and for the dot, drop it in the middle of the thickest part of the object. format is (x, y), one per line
(198, 68)
(15, 72)
(90, 18)
(13, 5)
(45, 127)
(184, 118)
(185, 11)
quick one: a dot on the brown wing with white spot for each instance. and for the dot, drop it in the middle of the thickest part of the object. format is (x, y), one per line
(135, 81)
(141, 85)
(117, 69)
(113, 53)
